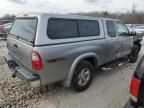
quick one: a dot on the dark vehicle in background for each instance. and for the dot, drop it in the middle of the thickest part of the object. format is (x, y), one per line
(7, 26)
(4, 29)
(137, 87)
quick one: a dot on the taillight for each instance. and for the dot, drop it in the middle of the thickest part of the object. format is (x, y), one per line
(134, 88)
(36, 61)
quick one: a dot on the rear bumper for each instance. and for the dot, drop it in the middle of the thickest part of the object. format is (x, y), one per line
(33, 80)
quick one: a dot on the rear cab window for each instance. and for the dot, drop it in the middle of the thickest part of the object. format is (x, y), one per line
(24, 29)
(88, 28)
(111, 31)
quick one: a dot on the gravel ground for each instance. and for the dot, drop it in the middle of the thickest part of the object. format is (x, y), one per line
(110, 89)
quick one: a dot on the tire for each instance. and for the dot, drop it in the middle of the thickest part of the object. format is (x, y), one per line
(83, 76)
(134, 54)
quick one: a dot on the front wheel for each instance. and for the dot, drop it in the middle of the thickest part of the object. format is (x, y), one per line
(134, 54)
(82, 77)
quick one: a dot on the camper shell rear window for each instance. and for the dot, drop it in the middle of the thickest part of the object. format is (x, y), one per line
(24, 28)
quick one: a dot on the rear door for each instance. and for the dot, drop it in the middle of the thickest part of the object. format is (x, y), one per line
(113, 44)
(21, 39)
(125, 38)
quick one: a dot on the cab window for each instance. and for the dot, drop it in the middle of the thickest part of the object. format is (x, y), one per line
(111, 28)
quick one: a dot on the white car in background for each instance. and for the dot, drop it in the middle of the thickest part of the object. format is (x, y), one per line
(138, 28)
(131, 27)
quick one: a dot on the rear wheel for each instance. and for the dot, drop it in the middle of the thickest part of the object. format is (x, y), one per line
(82, 77)
(134, 54)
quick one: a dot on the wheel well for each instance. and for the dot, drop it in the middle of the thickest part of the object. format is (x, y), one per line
(92, 60)
(68, 81)
(138, 44)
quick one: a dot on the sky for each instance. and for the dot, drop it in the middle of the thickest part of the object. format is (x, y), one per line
(67, 6)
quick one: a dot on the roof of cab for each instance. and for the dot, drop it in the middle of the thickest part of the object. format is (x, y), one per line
(61, 16)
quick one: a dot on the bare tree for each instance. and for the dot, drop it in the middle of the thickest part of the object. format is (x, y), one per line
(134, 9)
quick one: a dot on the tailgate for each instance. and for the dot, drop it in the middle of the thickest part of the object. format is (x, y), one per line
(20, 51)
(20, 40)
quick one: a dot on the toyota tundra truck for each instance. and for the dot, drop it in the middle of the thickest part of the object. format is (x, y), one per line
(47, 48)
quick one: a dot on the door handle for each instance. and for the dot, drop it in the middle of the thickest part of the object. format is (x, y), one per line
(15, 45)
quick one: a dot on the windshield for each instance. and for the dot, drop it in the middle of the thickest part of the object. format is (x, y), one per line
(24, 28)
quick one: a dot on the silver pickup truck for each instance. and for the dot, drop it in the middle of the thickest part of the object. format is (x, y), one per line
(47, 48)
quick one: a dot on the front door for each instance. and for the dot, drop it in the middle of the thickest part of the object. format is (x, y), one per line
(113, 44)
(125, 38)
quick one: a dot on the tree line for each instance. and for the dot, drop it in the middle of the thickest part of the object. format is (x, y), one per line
(133, 17)
(129, 17)
(6, 19)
